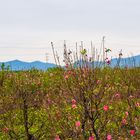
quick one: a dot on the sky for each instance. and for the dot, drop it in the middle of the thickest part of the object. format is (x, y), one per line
(28, 26)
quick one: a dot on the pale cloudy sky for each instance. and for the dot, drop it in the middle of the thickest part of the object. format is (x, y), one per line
(28, 26)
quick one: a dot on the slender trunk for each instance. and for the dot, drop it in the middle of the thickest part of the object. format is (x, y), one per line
(86, 116)
(95, 132)
(83, 127)
(25, 113)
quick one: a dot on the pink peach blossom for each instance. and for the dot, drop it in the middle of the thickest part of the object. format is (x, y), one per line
(5, 130)
(132, 132)
(73, 101)
(117, 95)
(91, 138)
(78, 123)
(69, 72)
(57, 138)
(98, 81)
(66, 76)
(67, 66)
(126, 113)
(106, 108)
(137, 104)
(74, 106)
(124, 121)
(109, 137)
(108, 62)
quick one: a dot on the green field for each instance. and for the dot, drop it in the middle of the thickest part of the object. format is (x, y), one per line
(70, 104)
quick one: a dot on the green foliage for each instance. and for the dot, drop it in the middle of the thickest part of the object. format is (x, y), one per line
(41, 102)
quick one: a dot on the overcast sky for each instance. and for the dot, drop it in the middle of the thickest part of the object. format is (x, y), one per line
(28, 26)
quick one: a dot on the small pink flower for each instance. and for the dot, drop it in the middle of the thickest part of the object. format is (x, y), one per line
(49, 101)
(137, 104)
(132, 132)
(57, 138)
(124, 121)
(126, 113)
(91, 138)
(69, 72)
(108, 62)
(98, 81)
(78, 123)
(66, 76)
(5, 130)
(74, 106)
(117, 95)
(73, 101)
(106, 108)
(67, 66)
(109, 137)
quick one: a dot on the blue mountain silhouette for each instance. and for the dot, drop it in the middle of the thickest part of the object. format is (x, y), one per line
(133, 61)
(21, 65)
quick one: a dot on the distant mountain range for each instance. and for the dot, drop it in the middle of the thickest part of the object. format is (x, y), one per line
(133, 61)
(20, 65)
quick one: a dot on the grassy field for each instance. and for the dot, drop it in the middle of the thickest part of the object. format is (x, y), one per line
(70, 104)
(75, 102)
